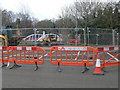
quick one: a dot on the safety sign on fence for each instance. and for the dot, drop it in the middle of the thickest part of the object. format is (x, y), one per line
(72, 48)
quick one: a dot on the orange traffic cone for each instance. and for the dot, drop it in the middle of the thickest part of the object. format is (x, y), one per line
(98, 70)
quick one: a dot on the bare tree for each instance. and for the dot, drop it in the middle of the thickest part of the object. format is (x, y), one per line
(6, 17)
(34, 21)
(25, 16)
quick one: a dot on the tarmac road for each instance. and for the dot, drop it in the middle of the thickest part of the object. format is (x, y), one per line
(47, 76)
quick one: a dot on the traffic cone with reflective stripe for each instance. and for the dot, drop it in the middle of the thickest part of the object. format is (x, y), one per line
(98, 69)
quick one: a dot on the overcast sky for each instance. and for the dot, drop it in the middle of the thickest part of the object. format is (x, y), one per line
(41, 9)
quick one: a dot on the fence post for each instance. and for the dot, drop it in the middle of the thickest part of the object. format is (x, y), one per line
(97, 39)
(113, 35)
(117, 39)
(88, 31)
(35, 31)
(84, 36)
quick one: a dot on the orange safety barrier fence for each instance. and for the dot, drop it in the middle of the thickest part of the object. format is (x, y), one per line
(24, 55)
(3, 52)
(72, 55)
(109, 55)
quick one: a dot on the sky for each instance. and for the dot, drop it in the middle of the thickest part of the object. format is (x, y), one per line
(40, 9)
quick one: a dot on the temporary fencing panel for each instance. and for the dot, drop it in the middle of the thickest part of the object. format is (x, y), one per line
(72, 55)
(109, 55)
(3, 54)
(23, 55)
(26, 55)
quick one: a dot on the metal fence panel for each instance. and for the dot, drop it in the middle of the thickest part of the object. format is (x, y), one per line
(92, 37)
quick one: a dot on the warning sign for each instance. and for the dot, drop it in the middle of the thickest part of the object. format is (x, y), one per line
(106, 48)
(28, 48)
(72, 48)
(116, 48)
(19, 48)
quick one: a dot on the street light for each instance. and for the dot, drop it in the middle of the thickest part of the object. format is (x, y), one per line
(35, 31)
(97, 39)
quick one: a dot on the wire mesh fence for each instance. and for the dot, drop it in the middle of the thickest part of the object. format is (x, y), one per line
(60, 36)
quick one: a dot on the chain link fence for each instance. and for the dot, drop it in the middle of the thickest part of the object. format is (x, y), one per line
(62, 36)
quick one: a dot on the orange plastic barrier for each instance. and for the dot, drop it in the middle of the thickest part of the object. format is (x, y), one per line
(74, 41)
(24, 55)
(3, 52)
(73, 55)
(109, 55)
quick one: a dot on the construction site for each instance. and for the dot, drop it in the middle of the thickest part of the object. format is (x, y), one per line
(60, 60)
(74, 52)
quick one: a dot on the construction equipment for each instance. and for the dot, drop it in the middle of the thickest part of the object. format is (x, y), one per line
(7, 38)
(3, 40)
(3, 37)
(49, 39)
